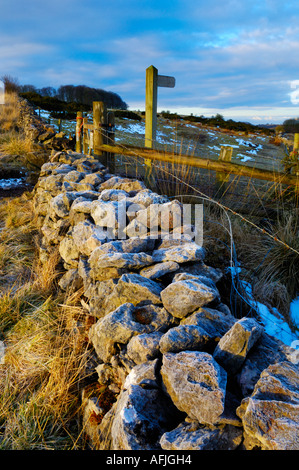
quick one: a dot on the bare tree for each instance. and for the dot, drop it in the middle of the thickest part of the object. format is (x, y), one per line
(11, 84)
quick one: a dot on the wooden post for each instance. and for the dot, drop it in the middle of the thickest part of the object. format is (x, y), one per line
(223, 178)
(91, 134)
(99, 126)
(151, 96)
(296, 141)
(85, 137)
(79, 133)
(111, 140)
(151, 93)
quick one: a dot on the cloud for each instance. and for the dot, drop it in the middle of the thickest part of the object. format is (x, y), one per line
(224, 55)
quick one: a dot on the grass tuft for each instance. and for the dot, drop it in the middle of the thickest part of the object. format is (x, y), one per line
(45, 342)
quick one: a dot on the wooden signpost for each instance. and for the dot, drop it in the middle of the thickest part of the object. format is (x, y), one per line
(152, 82)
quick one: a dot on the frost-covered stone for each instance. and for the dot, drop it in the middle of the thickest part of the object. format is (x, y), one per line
(61, 204)
(194, 436)
(160, 269)
(119, 260)
(143, 374)
(180, 254)
(184, 337)
(184, 297)
(69, 251)
(141, 417)
(234, 346)
(196, 384)
(116, 327)
(266, 351)
(136, 288)
(144, 347)
(108, 214)
(126, 184)
(88, 237)
(214, 322)
(270, 415)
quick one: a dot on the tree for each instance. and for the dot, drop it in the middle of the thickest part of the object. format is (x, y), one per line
(291, 126)
(11, 84)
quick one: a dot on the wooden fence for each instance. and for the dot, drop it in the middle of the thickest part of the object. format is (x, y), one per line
(98, 137)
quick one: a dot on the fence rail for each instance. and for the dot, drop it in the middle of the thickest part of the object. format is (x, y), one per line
(99, 138)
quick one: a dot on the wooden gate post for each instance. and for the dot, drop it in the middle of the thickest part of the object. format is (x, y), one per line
(296, 141)
(99, 127)
(111, 140)
(223, 178)
(85, 136)
(79, 133)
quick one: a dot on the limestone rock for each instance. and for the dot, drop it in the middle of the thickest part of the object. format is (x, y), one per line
(74, 176)
(180, 254)
(81, 205)
(196, 384)
(136, 228)
(54, 230)
(95, 179)
(69, 251)
(266, 351)
(160, 269)
(116, 327)
(146, 197)
(171, 215)
(270, 415)
(88, 237)
(234, 346)
(98, 259)
(144, 347)
(184, 297)
(194, 436)
(126, 184)
(184, 337)
(71, 281)
(214, 322)
(144, 374)
(135, 288)
(61, 204)
(113, 195)
(108, 214)
(52, 183)
(201, 269)
(141, 417)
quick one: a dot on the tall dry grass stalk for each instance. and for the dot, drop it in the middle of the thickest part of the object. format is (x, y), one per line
(44, 335)
(18, 145)
(9, 113)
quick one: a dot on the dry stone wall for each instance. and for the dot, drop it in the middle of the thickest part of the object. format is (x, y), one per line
(181, 372)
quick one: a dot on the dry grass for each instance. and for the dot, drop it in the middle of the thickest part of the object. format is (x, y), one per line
(46, 349)
(17, 145)
(9, 113)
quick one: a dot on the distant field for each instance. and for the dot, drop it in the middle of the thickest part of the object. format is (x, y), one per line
(195, 139)
(253, 150)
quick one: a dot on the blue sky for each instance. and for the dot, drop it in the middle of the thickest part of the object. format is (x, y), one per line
(237, 58)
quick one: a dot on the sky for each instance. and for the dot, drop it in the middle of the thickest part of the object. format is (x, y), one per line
(236, 58)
